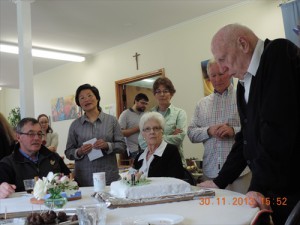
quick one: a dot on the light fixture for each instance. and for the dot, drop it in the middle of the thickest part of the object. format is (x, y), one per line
(49, 54)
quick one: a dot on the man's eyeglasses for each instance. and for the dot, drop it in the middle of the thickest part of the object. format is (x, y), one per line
(159, 92)
(33, 134)
(143, 103)
(148, 129)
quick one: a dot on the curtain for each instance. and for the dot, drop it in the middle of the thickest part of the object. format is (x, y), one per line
(291, 20)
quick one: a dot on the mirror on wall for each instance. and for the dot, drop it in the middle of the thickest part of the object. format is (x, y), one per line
(128, 88)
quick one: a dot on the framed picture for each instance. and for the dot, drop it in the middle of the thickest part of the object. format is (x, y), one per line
(207, 86)
(64, 108)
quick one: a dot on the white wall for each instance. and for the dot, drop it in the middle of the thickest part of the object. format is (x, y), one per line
(9, 99)
(179, 50)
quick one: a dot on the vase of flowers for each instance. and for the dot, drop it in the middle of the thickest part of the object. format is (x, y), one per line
(55, 203)
(51, 188)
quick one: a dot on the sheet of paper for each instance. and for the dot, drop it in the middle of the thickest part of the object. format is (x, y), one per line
(95, 153)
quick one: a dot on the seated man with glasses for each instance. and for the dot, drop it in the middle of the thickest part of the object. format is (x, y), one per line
(160, 159)
(28, 160)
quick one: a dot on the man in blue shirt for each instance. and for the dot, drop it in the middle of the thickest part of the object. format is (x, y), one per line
(28, 160)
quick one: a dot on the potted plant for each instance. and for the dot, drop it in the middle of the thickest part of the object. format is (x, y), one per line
(14, 116)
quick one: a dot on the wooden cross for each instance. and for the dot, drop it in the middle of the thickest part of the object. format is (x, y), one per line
(137, 60)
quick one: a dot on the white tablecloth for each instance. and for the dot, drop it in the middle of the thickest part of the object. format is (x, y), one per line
(219, 210)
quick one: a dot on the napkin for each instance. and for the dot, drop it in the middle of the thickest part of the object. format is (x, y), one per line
(95, 153)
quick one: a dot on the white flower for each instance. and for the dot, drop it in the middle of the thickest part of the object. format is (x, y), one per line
(65, 179)
(70, 192)
(54, 184)
(50, 176)
(40, 189)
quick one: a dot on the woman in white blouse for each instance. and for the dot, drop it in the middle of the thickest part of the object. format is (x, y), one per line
(159, 159)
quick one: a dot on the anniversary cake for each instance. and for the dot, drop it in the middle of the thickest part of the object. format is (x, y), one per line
(149, 188)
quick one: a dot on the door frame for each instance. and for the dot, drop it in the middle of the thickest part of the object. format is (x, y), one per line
(119, 86)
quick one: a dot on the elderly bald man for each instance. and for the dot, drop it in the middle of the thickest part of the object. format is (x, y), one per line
(268, 99)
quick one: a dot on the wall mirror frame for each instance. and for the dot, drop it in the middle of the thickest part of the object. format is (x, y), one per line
(120, 87)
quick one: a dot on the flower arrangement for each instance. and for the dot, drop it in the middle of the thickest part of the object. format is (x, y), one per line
(54, 184)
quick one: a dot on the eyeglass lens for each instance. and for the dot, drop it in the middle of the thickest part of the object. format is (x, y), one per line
(148, 129)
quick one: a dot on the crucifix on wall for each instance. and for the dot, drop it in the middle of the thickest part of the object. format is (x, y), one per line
(137, 60)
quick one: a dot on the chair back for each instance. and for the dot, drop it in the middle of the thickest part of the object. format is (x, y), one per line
(188, 177)
(294, 217)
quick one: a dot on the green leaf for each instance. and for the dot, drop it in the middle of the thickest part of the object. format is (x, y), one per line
(14, 116)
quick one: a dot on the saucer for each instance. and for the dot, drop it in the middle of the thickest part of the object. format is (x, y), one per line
(153, 219)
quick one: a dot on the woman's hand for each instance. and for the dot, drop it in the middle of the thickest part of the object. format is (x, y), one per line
(177, 131)
(85, 149)
(52, 148)
(100, 144)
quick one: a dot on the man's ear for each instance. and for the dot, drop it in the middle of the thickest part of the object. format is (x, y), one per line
(243, 44)
(18, 137)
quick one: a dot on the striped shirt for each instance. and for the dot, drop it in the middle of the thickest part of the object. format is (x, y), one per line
(106, 127)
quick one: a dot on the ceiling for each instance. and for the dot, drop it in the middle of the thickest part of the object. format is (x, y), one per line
(88, 27)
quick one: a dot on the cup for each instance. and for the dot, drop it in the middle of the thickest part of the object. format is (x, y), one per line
(94, 214)
(29, 185)
(99, 181)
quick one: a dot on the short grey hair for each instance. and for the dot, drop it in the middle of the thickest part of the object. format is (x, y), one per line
(25, 121)
(152, 116)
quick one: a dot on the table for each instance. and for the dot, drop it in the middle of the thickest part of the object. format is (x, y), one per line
(226, 207)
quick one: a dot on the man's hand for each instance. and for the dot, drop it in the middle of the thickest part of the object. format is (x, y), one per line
(221, 131)
(225, 131)
(257, 199)
(6, 189)
(207, 184)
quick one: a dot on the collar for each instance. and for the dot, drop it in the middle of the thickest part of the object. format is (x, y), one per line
(158, 152)
(247, 79)
(19, 157)
(227, 90)
(254, 63)
(84, 118)
(166, 112)
(28, 157)
(136, 112)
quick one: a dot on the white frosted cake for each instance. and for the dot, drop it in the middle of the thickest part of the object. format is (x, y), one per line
(156, 187)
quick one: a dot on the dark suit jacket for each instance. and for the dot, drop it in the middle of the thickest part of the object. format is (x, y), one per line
(168, 165)
(269, 140)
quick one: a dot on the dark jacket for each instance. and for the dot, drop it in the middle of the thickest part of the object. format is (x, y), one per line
(269, 138)
(15, 167)
(168, 165)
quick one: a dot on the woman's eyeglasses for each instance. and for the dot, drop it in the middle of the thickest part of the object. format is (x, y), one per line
(148, 129)
(159, 92)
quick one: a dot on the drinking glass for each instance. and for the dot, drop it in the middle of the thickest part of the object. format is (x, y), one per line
(94, 214)
(29, 185)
